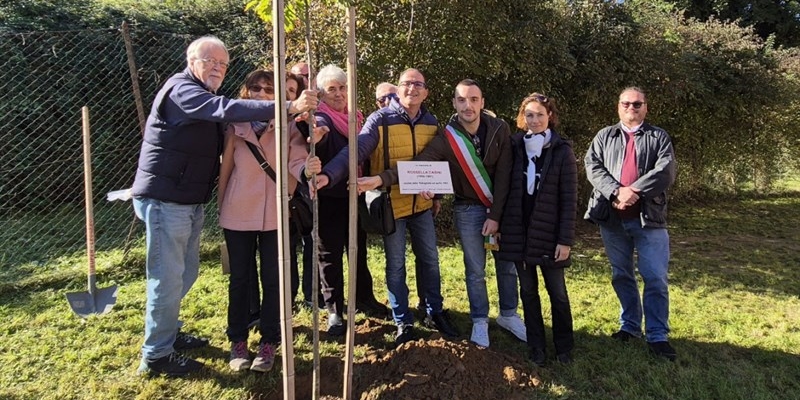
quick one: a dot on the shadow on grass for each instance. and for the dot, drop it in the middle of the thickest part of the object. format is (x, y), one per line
(603, 369)
(752, 244)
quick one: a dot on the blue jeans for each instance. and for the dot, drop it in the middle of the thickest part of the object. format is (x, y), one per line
(423, 244)
(173, 260)
(469, 220)
(652, 246)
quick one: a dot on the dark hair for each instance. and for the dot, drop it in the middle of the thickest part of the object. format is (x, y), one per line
(548, 103)
(468, 82)
(253, 78)
(301, 83)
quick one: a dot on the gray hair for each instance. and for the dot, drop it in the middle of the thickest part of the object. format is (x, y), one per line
(194, 48)
(385, 87)
(633, 89)
(328, 74)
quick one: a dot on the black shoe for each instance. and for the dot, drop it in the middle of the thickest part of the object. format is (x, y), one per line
(405, 333)
(564, 358)
(186, 341)
(442, 323)
(663, 349)
(622, 336)
(538, 357)
(173, 364)
(373, 308)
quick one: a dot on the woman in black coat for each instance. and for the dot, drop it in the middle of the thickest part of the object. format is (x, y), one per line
(538, 224)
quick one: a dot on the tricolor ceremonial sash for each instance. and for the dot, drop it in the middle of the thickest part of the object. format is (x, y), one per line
(471, 164)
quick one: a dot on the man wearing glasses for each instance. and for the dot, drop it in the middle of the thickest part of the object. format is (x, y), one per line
(477, 147)
(411, 127)
(631, 165)
(177, 172)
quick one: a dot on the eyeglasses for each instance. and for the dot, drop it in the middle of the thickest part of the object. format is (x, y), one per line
(414, 84)
(636, 104)
(214, 62)
(257, 88)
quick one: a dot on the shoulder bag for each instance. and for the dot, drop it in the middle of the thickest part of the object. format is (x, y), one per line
(300, 213)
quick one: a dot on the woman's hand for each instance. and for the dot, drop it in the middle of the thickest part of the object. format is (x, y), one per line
(313, 166)
(562, 252)
(319, 133)
(306, 101)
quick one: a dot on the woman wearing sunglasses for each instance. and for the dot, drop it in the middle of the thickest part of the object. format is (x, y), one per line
(538, 223)
(248, 216)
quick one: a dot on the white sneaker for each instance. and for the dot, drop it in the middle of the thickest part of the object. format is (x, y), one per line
(480, 333)
(514, 325)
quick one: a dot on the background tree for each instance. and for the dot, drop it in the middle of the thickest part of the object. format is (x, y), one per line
(766, 17)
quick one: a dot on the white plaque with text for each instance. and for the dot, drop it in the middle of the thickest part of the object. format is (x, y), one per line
(424, 176)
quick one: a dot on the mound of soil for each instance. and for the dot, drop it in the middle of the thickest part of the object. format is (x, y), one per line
(441, 369)
(427, 369)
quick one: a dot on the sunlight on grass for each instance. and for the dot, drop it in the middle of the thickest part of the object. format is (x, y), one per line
(735, 307)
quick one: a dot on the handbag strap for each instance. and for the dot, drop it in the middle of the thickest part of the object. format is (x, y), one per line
(386, 147)
(262, 162)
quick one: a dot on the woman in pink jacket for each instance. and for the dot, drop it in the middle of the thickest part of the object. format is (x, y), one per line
(248, 216)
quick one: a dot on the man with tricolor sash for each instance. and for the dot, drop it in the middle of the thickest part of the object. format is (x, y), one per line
(476, 144)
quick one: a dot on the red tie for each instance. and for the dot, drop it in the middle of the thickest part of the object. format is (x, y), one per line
(630, 171)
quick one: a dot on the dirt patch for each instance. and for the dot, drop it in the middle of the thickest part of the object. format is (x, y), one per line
(441, 369)
(426, 369)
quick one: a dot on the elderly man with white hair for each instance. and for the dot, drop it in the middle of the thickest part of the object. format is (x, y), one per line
(178, 167)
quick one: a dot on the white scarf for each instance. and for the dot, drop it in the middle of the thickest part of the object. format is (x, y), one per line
(534, 142)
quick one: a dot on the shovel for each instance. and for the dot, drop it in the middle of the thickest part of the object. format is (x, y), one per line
(94, 301)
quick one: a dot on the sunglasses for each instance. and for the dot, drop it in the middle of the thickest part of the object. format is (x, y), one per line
(385, 99)
(636, 104)
(540, 98)
(257, 88)
(414, 84)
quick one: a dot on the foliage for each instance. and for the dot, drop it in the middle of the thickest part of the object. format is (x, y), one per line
(766, 17)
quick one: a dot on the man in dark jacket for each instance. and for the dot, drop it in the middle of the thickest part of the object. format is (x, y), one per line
(177, 171)
(476, 145)
(631, 165)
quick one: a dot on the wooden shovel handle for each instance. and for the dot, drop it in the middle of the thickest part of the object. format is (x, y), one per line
(87, 183)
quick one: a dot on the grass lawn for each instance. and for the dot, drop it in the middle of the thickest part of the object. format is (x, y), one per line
(735, 317)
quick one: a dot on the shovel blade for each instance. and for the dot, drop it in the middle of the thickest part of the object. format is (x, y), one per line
(104, 299)
(85, 303)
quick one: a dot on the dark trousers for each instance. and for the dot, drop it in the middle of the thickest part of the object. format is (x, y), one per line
(253, 288)
(559, 306)
(242, 246)
(333, 233)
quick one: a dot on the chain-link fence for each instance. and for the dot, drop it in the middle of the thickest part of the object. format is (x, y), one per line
(45, 78)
